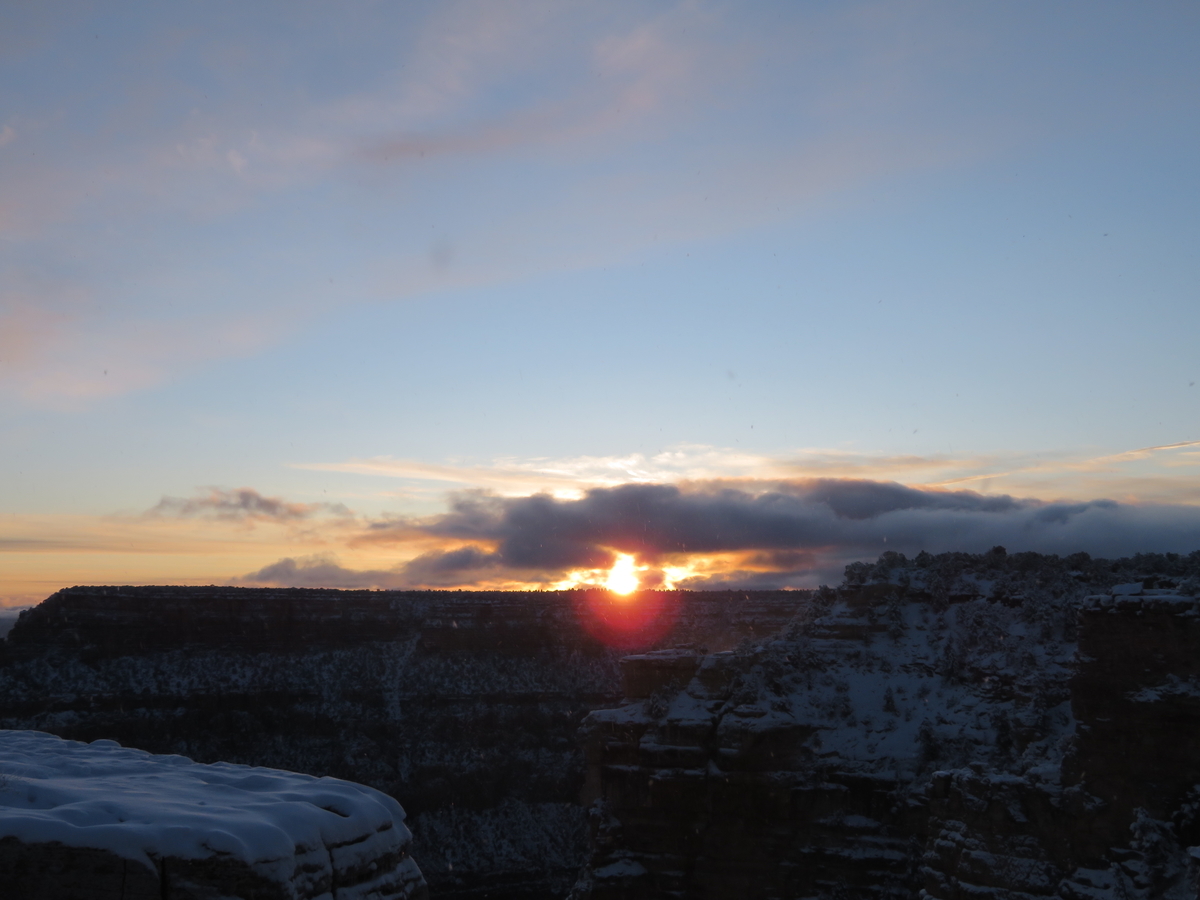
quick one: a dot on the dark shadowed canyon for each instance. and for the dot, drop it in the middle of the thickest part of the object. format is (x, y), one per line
(984, 726)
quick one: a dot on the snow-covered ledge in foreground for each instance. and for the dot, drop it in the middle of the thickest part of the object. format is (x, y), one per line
(99, 819)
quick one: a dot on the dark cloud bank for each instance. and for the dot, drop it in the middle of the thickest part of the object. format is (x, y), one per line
(781, 534)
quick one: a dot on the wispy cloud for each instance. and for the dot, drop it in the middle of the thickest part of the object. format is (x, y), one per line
(1148, 474)
(650, 125)
(66, 350)
(40, 554)
(592, 85)
(566, 476)
(242, 505)
(26, 329)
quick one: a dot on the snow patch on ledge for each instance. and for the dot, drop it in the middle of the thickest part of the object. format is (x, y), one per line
(146, 807)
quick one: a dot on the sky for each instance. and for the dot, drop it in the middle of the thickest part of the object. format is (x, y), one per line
(503, 295)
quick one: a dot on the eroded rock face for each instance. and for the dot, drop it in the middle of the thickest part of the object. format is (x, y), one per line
(465, 706)
(97, 820)
(955, 727)
(1136, 695)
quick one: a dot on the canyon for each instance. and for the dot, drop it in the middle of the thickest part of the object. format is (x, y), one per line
(963, 725)
(462, 705)
(947, 728)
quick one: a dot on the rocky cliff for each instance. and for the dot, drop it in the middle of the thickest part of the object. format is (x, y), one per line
(952, 727)
(464, 706)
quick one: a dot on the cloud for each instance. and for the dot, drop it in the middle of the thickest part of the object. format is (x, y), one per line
(242, 505)
(466, 565)
(571, 476)
(1163, 474)
(778, 534)
(706, 517)
(620, 107)
(857, 499)
(321, 571)
(59, 348)
(41, 553)
(26, 329)
(592, 82)
(568, 477)
(449, 568)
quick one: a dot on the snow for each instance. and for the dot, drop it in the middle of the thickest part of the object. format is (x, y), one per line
(880, 686)
(622, 868)
(145, 807)
(1157, 599)
(1174, 688)
(1127, 590)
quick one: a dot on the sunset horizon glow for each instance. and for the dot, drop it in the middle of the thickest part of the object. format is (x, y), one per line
(696, 295)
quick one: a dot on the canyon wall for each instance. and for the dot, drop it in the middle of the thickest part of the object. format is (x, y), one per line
(464, 706)
(960, 726)
(952, 727)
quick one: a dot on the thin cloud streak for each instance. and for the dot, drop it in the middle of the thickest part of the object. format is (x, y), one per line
(242, 505)
(62, 359)
(1148, 474)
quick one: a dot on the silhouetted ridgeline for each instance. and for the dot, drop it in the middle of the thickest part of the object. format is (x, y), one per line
(124, 620)
(464, 705)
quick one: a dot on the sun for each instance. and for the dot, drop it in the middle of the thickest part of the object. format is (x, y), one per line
(622, 577)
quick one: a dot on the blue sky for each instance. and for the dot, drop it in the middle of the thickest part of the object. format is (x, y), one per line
(356, 260)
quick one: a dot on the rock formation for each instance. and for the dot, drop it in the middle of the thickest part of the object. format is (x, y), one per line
(955, 727)
(464, 706)
(97, 821)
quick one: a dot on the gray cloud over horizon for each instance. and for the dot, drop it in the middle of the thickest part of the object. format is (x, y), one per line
(780, 533)
(322, 572)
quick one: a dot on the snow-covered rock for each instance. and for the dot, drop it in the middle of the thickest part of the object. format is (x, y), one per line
(98, 820)
(985, 726)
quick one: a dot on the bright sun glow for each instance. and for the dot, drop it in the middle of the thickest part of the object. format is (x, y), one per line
(672, 575)
(622, 577)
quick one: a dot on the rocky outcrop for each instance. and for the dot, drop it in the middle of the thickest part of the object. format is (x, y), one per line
(953, 727)
(96, 821)
(463, 705)
(1136, 695)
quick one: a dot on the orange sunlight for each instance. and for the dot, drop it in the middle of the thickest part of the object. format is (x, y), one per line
(622, 577)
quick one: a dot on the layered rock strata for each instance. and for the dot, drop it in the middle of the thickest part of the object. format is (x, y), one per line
(96, 821)
(464, 706)
(955, 727)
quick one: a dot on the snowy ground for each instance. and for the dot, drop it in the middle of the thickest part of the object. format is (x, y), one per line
(291, 828)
